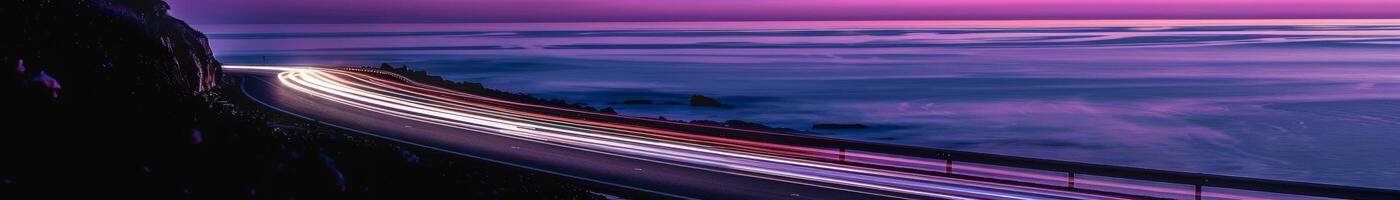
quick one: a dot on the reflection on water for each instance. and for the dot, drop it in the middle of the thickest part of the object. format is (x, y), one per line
(1310, 100)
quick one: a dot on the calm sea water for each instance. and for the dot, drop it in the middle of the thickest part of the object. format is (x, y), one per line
(1307, 100)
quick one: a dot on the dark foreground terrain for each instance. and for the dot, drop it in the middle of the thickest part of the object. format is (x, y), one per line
(113, 98)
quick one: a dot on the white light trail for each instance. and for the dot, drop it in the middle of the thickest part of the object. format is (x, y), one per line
(356, 88)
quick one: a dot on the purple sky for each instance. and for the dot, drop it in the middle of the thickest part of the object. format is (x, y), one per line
(370, 11)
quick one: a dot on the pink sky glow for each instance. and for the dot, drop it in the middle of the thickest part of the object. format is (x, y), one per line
(368, 11)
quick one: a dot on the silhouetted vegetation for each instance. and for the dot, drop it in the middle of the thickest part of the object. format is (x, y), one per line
(478, 89)
(745, 125)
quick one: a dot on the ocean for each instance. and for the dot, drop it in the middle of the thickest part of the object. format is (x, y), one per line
(1303, 100)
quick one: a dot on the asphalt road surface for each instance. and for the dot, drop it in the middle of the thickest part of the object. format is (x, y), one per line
(660, 162)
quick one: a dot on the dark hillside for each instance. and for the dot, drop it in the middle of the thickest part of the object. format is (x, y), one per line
(116, 99)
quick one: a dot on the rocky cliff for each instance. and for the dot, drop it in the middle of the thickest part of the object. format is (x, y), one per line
(96, 90)
(116, 99)
(98, 45)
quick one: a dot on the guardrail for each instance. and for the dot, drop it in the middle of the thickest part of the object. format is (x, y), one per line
(1070, 169)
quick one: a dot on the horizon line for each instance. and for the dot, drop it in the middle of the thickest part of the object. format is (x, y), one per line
(851, 20)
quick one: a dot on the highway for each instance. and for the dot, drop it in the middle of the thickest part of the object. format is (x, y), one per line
(665, 163)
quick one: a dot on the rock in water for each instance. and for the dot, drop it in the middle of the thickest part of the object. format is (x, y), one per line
(839, 126)
(704, 101)
(637, 102)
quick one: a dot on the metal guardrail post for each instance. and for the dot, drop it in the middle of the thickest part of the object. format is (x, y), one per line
(948, 168)
(843, 155)
(1071, 180)
(1198, 192)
